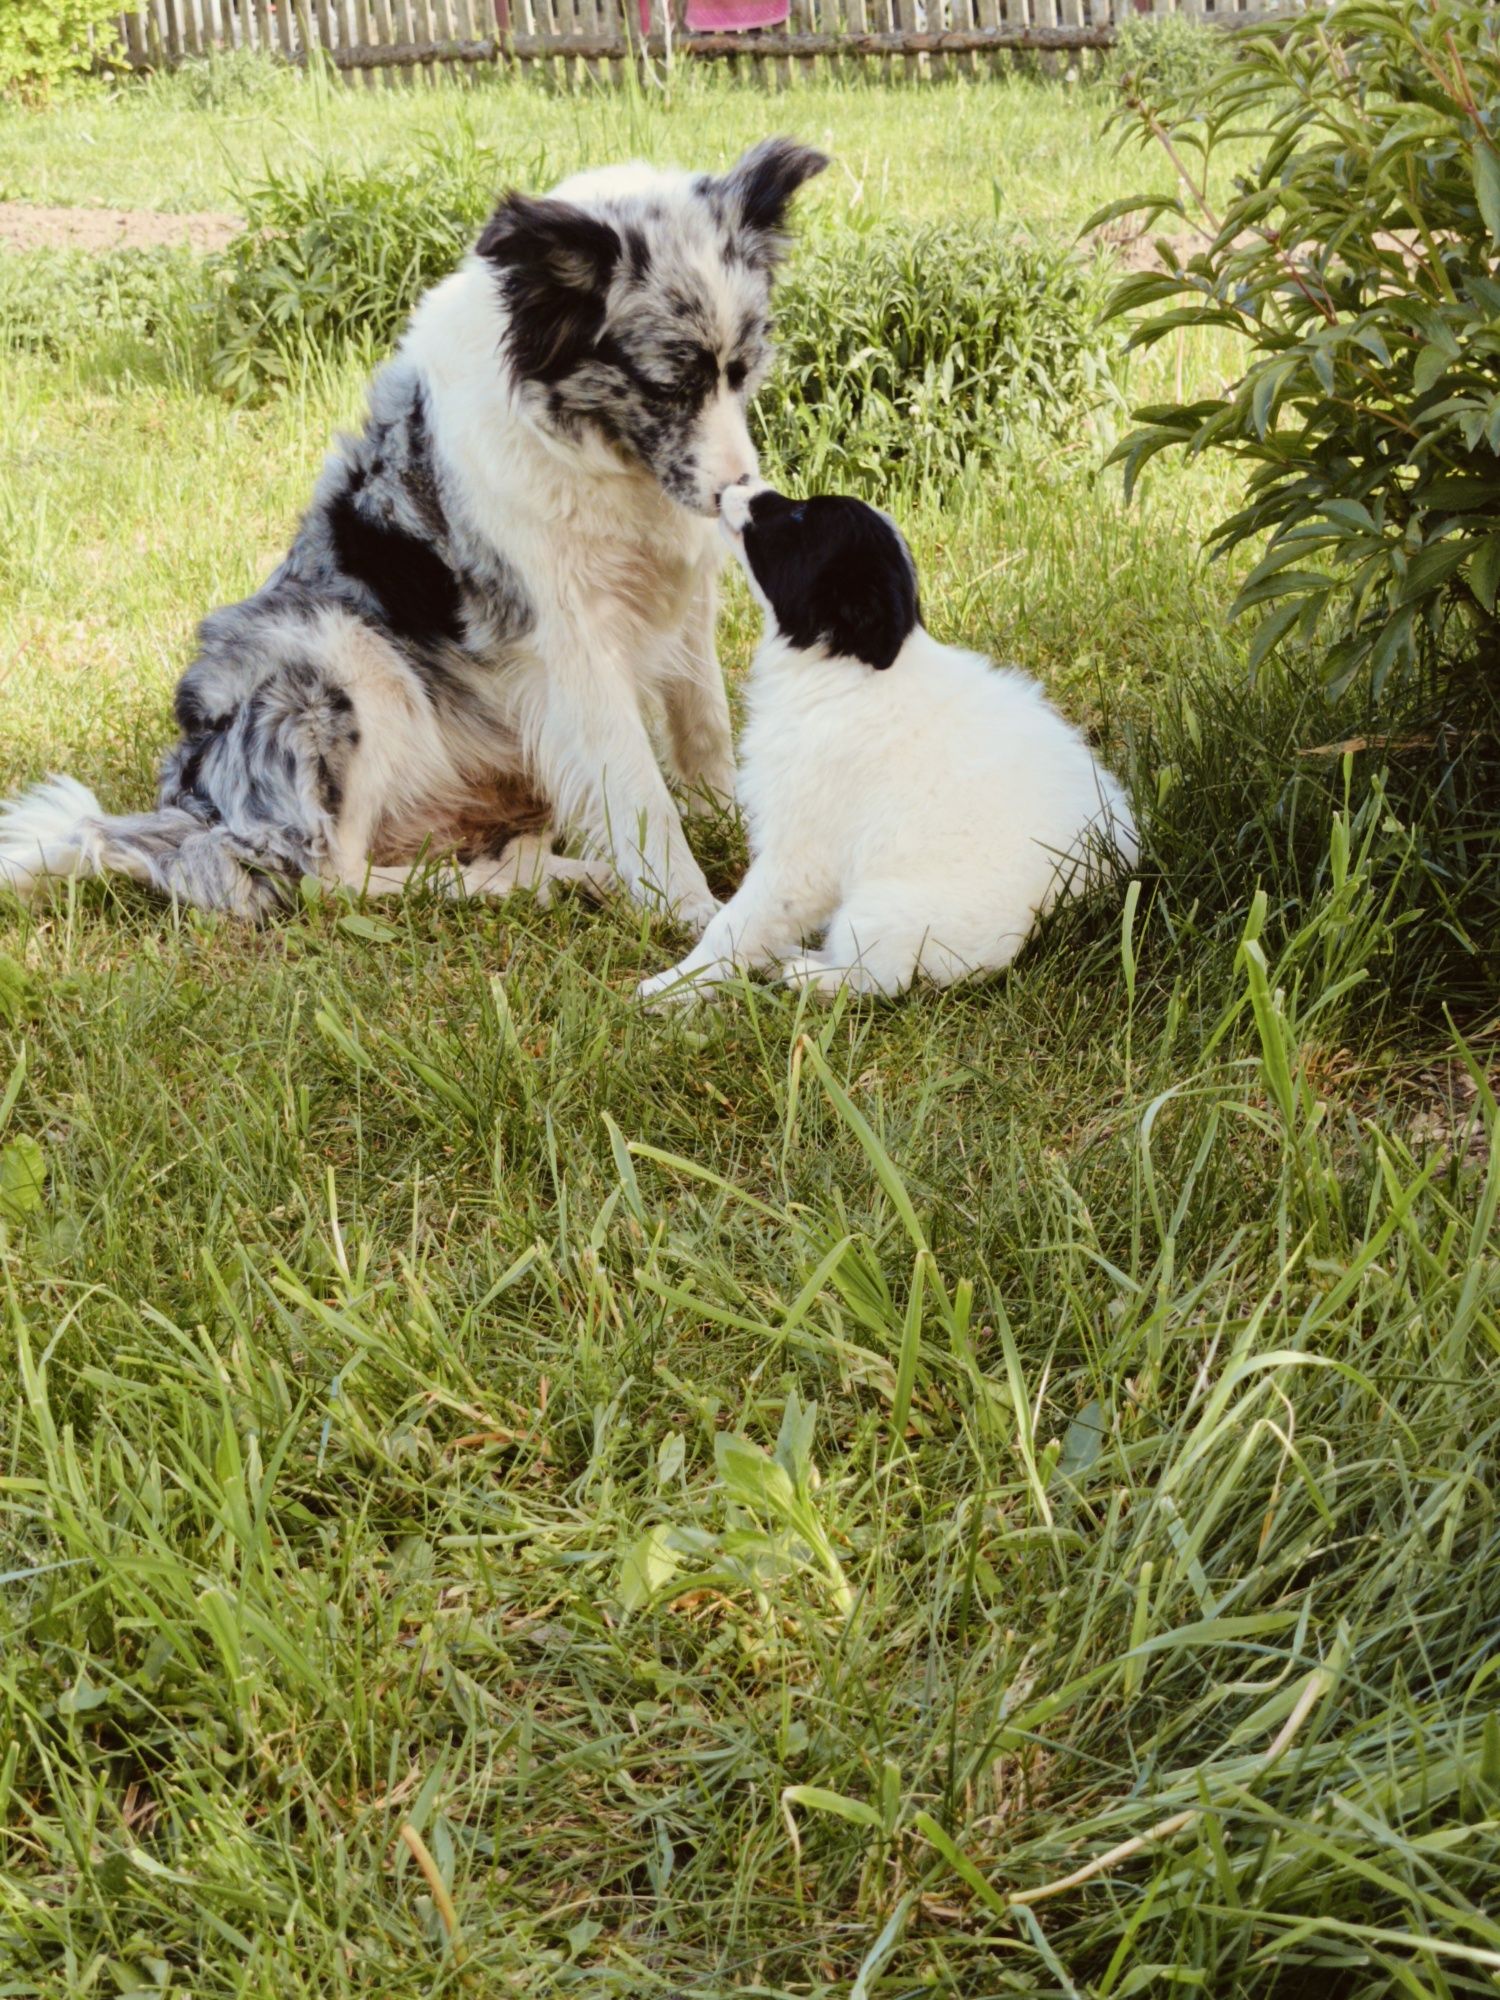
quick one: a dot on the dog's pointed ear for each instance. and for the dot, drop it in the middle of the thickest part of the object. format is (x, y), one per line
(758, 189)
(555, 264)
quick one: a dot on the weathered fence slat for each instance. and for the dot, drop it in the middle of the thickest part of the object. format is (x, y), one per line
(411, 41)
(905, 42)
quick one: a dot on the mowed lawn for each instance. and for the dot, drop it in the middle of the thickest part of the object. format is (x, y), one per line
(505, 1494)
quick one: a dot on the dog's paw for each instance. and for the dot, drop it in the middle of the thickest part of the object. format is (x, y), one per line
(810, 973)
(710, 797)
(669, 989)
(535, 871)
(593, 879)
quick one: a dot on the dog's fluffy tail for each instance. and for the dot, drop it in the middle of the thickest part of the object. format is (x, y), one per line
(59, 828)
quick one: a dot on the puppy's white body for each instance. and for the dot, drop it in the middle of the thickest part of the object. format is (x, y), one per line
(920, 819)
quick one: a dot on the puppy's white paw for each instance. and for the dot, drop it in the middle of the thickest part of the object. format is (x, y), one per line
(809, 973)
(672, 988)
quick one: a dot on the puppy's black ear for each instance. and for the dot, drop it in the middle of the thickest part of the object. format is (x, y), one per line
(555, 263)
(758, 189)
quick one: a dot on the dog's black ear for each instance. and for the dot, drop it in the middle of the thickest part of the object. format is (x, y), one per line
(758, 189)
(877, 623)
(555, 264)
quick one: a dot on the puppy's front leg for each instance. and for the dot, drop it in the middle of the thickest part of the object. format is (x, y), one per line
(596, 765)
(765, 919)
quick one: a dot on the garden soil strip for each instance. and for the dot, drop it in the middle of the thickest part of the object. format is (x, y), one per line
(26, 226)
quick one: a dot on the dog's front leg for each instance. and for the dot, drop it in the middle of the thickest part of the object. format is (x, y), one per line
(697, 710)
(775, 906)
(596, 764)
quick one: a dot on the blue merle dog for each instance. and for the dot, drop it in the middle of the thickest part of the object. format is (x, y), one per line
(495, 626)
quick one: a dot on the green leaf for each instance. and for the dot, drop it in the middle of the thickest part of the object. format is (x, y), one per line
(649, 1563)
(23, 1176)
(752, 1477)
(1487, 185)
(1392, 644)
(1135, 450)
(369, 929)
(1082, 1441)
(1431, 568)
(874, 1959)
(1349, 514)
(582, 1935)
(1431, 365)
(1456, 493)
(670, 1454)
(1148, 207)
(793, 1449)
(813, 1798)
(1281, 583)
(959, 1862)
(1484, 571)
(1272, 630)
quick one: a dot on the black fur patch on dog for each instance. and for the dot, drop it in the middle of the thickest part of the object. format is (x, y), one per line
(555, 265)
(419, 596)
(836, 573)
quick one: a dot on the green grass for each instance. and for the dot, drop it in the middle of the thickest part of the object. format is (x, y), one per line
(1031, 151)
(411, 1357)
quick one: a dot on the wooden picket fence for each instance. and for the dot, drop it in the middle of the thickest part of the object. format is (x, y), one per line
(390, 40)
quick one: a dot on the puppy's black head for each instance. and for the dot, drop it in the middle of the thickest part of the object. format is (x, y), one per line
(834, 572)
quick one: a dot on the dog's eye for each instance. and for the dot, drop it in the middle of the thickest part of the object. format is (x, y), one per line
(735, 374)
(797, 513)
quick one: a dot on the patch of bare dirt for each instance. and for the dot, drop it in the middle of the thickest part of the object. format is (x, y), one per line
(28, 226)
(1137, 249)
(1449, 1119)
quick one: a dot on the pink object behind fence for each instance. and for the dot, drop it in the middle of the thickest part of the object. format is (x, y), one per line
(703, 17)
(715, 16)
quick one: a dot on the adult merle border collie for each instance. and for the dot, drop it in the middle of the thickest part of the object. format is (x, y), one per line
(911, 805)
(502, 596)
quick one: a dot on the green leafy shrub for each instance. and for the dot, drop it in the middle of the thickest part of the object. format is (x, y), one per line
(335, 260)
(44, 42)
(925, 350)
(1358, 259)
(55, 301)
(1159, 58)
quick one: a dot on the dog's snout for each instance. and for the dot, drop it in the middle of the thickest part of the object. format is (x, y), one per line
(721, 493)
(734, 503)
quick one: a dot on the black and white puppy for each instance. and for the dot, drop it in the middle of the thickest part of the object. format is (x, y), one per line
(502, 594)
(915, 805)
